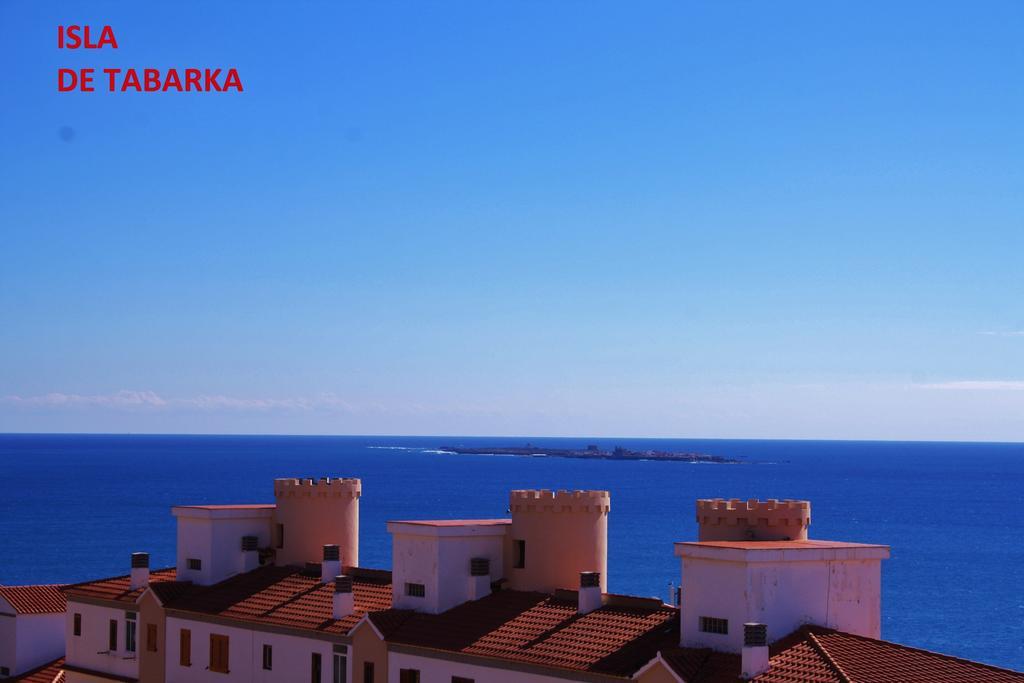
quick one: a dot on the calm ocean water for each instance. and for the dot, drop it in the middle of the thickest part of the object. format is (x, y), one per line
(74, 507)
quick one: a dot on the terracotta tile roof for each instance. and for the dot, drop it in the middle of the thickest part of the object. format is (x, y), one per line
(47, 673)
(535, 628)
(46, 599)
(283, 596)
(388, 621)
(869, 660)
(118, 588)
(819, 655)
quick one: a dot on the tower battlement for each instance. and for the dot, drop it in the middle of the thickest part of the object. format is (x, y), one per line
(546, 500)
(323, 487)
(753, 520)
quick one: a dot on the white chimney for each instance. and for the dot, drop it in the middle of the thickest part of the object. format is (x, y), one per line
(140, 570)
(479, 578)
(344, 599)
(755, 650)
(590, 592)
(331, 566)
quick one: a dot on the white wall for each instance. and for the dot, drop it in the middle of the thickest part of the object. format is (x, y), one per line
(841, 594)
(216, 540)
(439, 559)
(8, 642)
(84, 650)
(441, 671)
(40, 639)
(292, 655)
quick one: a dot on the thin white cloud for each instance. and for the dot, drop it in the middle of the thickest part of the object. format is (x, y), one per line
(121, 399)
(149, 400)
(978, 385)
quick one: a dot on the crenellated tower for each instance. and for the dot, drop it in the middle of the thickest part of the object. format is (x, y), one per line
(753, 520)
(312, 513)
(556, 535)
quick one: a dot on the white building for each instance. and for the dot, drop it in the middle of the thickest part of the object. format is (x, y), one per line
(259, 595)
(31, 627)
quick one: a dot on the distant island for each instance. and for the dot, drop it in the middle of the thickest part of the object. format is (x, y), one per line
(591, 452)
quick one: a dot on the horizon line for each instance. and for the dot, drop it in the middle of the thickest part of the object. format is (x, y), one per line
(507, 436)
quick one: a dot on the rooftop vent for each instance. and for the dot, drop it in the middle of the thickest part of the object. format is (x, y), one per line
(140, 570)
(342, 584)
(479, 566)
(344, 602)
(590, 592)
(755, 650)
(249, 543)
(331, 565)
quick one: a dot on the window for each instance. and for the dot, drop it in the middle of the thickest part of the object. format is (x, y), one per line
(520, 555)
(280, 535)
(367, 672)
(268, 658)
(315, 668)
(340, 668)
(185, 647)
(714, 625)
(460, 679)
(218, 653)
(408, 676)
(415, 590)
(76, 628)
(151, 638)
(195, 564)
(112, 640)
(129, 632)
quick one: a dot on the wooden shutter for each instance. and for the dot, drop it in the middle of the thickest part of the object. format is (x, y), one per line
(151, 638)
(185, 654)
(218, 653)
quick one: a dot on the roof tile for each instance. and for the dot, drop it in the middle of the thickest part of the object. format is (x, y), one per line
(43, 599)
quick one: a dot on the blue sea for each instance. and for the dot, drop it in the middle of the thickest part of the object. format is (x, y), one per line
(74, 506)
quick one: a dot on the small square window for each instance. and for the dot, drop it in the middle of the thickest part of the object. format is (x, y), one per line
(415, 590)
(77, 625)
(714, 625)
(195, 564)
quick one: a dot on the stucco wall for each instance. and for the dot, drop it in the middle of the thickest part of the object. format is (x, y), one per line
(152, 667)
(658, 674)
(441, 564)
(291, 654)
(442, 670)
(217, 543)
(8, 641)
(367, 647)
(40, 639)
(842, 594)
(89, 650)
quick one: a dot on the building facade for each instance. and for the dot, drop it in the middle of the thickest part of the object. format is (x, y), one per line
(273, 593)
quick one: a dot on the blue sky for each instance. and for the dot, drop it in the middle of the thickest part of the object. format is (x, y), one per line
(727, 219)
